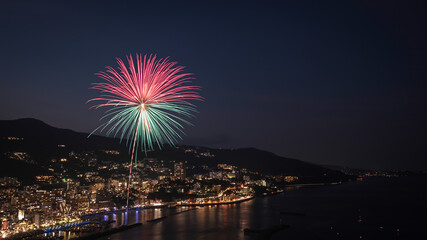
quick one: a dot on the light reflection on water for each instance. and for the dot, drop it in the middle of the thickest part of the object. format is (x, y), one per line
(125, 218)
(385, 205)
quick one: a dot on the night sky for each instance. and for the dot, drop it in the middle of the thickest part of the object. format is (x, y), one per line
(328, 82)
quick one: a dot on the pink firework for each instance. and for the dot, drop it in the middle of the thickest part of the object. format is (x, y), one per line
(148, 102)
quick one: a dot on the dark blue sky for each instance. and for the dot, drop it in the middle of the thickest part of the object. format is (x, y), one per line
(329, 82)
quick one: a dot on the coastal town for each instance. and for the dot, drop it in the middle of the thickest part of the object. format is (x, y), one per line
(66, 193)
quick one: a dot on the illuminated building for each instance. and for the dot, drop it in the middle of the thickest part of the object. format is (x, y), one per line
(179, 171)
(36, 219)
(4, 224)
(21, 214)
(261, 183)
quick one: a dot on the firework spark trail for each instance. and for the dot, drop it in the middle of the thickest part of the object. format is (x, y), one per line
(147, 103)
(130, 167)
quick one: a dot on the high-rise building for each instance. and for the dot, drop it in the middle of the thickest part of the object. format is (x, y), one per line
(13, 201)
(36, 219)
(21, 214)
(4, 224)
(179, 171)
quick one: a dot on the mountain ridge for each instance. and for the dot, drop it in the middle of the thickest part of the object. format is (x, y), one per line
(42, 142)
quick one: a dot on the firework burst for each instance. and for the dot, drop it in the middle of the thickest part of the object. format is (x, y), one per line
(148, 101)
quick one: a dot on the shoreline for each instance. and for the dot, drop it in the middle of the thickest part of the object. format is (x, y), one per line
(216, 203)
(209, 204)
(177, 205)
(116, 211)
(126, 227)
